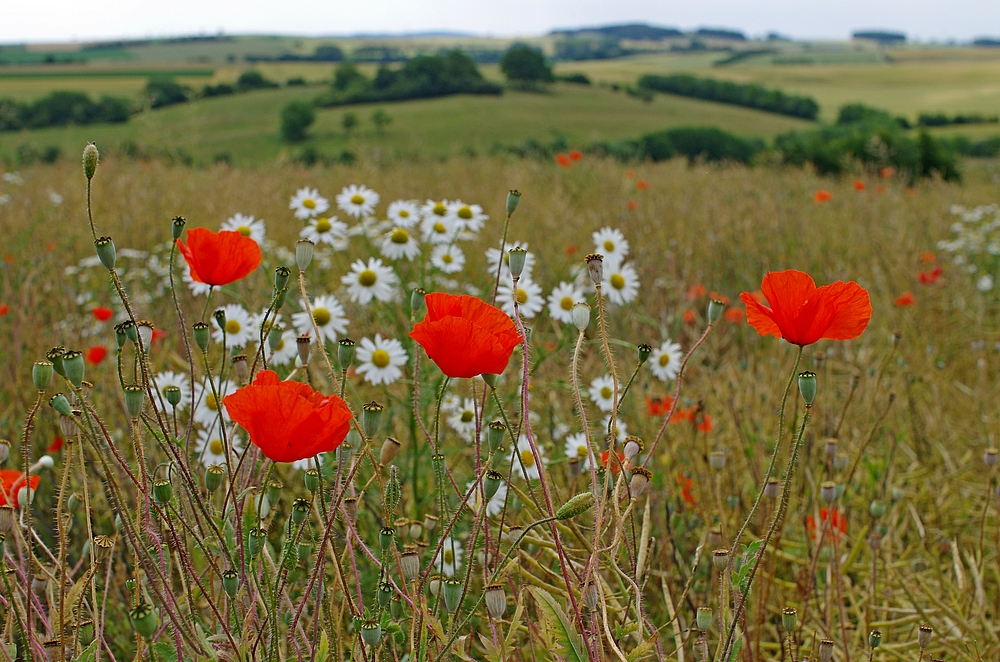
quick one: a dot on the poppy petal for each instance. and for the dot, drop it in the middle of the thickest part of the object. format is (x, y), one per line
(848, 308)
(760, 317)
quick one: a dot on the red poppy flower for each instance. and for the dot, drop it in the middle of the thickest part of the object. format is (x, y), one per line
(288, 420)
(695, 291)
(689, 316)
(702, 421)
(658, 406)
(630, 174)
(571, 250)
(686, 484)
(822, 195)
(932, 276)
(682, 415)
(734, 314)
(642, 185)
(157, 334)
(102, 313)
(464, 336)
(887, 172)
(905, 299)
(576, 155)
(615, 466)
(563, 160)
(632, 205)
(8, 258)
(96, 354)
(801, 313)
(859, 185)
(4, 309)
(56, 445)
(836, 528)
(219, 258)
(13, 481)
(928, 257)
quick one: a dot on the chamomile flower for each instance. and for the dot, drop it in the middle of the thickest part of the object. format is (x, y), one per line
(196, 288)
(611, 243)
(210, 449)
(434, 209)
(373, 280)
(469, 217)
(665, 360)
(439, 229)
(404, 213)
(463, 420)
(529, 297)
(494, 256)
(451, 402)
(495, 505)
(329, 317)
(273, 320)
(620, 426)
(620, 284)
(248, 226)
(602, 392)
(324, 230)
(448, 258)
(562, 299)
(207, 402)
(285, 352)
(525, 462)
(576, 447)
(307, 202)
(169, 378)
(398, 243)
(450, 559)
(381, 360)
(357, 201)
(239, 326)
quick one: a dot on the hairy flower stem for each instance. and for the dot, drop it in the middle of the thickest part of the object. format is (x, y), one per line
(29, 424)
(61, 528)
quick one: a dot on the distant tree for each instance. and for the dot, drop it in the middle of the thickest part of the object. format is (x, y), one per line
(525, 66)
(349, 121)
(296, 118)
(381, 120)
(328, 54)
(347, 75)
(165, 92)
(253, 80)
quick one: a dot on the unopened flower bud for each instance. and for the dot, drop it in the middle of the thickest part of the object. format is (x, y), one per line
(924, 633)
(214, 474)
(715, 308)
(41, 374)
(177, 227)
(74, 366)
(106, 252)
(417, 300)
(393, 491)
(828, 491)
(134, 399)
(717, 460)
(581, 315)
(704, 618)
(632, 447)
(371, 417)
(576, 505)
(304, 250)
(640, 479)
(496, 600)
(201, 334)
(789, 618)
(513, 198)
(388, 452)
(595, 266)
(515, 261)
(345, 352)
(807, 386)
(91, 157)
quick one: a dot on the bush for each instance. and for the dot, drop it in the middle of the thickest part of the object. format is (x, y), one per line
(525, 66)
(297, 81)
(704, 143)
(222, 89)
(853, 113)
(253, 80)
(165, 92)
(577, 78)
(750, 96)
(62, 109)
(296, 118)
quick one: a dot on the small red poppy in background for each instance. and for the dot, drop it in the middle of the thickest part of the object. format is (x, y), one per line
(695, 291)
(932, 276)
(702, 421)
(571, 250)
(859, 185)
(642, 185)
(686, 484)
(689, 316)
(658, 406)
(464, 336)
(928, 257)
(56, 445)
(734, 314)
(13, 481)
(157, 334)
(219, 258)
(630, 174)
(822, 195)
(801, 313)
(632, 205)
(575, 155)
(4, 309)
(615, 466)
(8, 258)
(96, 354)
(887, 172)
(905, 299)
(836, 528)
(102, 313)
(288, 420)
(563, 160)
(879, 188)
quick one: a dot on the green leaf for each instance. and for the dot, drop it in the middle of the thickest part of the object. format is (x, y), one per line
(643, 649)
(323, 650)
(735, 653)
(165, 651)
(566, 635)
(87, 654)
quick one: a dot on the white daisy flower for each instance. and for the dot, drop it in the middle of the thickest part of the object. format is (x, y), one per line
(576, 447)
(275, 320)
(495, 505)
(55, 198)
(307, 202)
(619, 424)
(381, 360)
(285, 352)
(451, 402)
(450, 559)
(448, 258)
(469, 217)
(239, 326)
(463, 420)
(493, 256)
(323, 230)
(196, 288)
(210, 449)
(602, 391)
(985, 283)
(529, 298)
(248, 226)
(525, 464)
(399, 243)
(5, 198)
(357, 200)
(372, 280)
(206, 406)
(620, 284)
(329, 317)
(178, 379)
(434, 208)
(404, 213)
(665, 360)
(439, 229)
(307, 463)
(611, 243)
(562, 299)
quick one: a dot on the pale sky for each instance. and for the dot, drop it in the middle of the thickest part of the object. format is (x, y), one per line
(87, 20)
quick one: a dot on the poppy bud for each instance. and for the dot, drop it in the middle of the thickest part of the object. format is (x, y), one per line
(61, 404)
(789, 617)
(491, 483)
(388, 452)
(720, 559)
(393, 491)
(6, 518)
(41, 374)
(281, 275)
(875, 638)
(409, 561)
(924, 634)
(345, 352)
(145, 329)
(494, 435)
(581, 315)
(430, 522)
(515, 261)
(134, 398)
(351, 508)
(201, 335)
(73, 366)
(177, 227)
(496, 600)
(311, 480)
(513, 198)
(595, 266)
(106, 252)
(876, 509)
(385, 538)
(640, 478)
(589, 593)
(4, 452)
(704, 618)
(417, 300)
(644, 352)
(897, 494)
(213, 477)
(578, 504)
(491, 380)
(220, 319)
(990, 457)
(302, 344)
(828, 491)
(807, 386)
(717, 460)
(452, 594)
(715, 307)
(230, 582)
(91, 157)
(255, 541)
(144, 620)
(304, 250)
(371, 417)
(825, 650)
(371, 633)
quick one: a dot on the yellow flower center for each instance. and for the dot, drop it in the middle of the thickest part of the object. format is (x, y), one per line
(244, 230)
(606, 392)
(664, 360)
(440, 209)
(323, 225)
(380, 358)
(522, 297)
(447, 258)
(232, 326)
(617, 281)
(581, 451)
(367, 277)
(400, 236)
(215, 446)
(404, 213)
(309, 203)
(439, 227)
(357, 199)
(465, 212)
(566, 303)
(609, 245)
(321, 316)
(467, 416)
(449, 556)
(281, 345)
(211, 402)
(527, 458)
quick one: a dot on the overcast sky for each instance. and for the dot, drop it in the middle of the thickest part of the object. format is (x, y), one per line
(84, 20)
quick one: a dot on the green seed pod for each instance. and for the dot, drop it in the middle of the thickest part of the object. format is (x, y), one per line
(311, 480)
(807, 386)
(384, 594)
(876, 509)
(789, 618)
(371, 633)
(300, 510)
(255, 541)
(130, 584)
(145, 620)
(106, 252)
(55, 356)
(501, 459)
(274, 492)
(91, 157)
(491, 380)
(134, 399)
(74, 366)
(61, 404)
(715, 308)
(579, 504)
(304, 250)
(74, 501)
(177, 227)
(494, 435)
(304, 552)
(220, 319)
(213, 477)
(513, 199)
(281, 275)
(5, 449)
(371, 417)
(345, 353)
(704, 618)
(173, 395)
(396, 607)
(417, 300)
(491, 483)
(120, 337)
(386, 537)
(131, 331)
(515, 261)
(230, 582)
(644, 352)
(202, 335)
(875, 638)
(581, 315)
(41, 374)
(452, 594)
(163, 491)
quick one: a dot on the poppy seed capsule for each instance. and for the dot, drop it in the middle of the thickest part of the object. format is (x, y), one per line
(430, 522)
(173, 395)
(715, 307)
(371, 417)
(134, 399)
(162, 491)
(452, 594)
(4, 450)
(589, 593)
(515, 261)
(494, 435)
(704, 618)
(255, 541)
(789, 618)
(491, 483)
(302, 344)
(345, 352)
(513, 199)
(201, 334)
(304, 250)
(6, 518)
(240, 368)
(418, 300)
(840, 462)
(640, 479)
(351, 509)
(213, 477)
(496, 600)
(924, 633)
(876, 509)
(177, 227)
(61, 404)
(106, 253)
(41, 374)
(145, 329)
(807, 386)
(990, 457)
(300, 510)
(830, 448)
(274, 338)
(371, 633)
(715, 537)
(409, 562)
(875, 638)
(388, 452)
(384, 594)
(720, 559)
(74, 366)
(144, 620)
(633, 446)
(385, 538)
(826, 650)
(91, 157)
(311, 479)
(416, 529)
(717, 460)
(772, 488)
(595, 267)
(828, 491)
(281, 275)
(103, 546)
(274, 492)
(581, 315)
